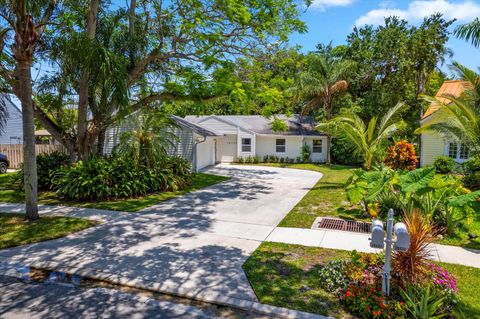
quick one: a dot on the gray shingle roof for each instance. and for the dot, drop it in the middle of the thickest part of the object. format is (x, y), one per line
(195, 127)
(258, 124)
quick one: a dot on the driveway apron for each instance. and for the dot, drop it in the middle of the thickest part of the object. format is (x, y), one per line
(193, 245)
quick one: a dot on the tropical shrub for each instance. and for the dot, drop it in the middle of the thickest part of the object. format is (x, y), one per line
(424, 302)
(117, 177)
(341, 151)
(444, 164)
(47, 166)
(413, 266)
(441, 198)
(306, 153)
(149, 136)
(367, 140)
(471, 174)
(401, 156)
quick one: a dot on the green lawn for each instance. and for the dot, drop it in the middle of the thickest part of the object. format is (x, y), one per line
(15, 231)
(201, 180)
(286, 276)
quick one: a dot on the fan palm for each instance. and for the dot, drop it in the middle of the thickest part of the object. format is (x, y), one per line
(459, 119)
(366, 140)
(322, 82)
(469, 32)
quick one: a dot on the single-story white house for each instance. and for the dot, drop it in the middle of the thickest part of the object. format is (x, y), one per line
(434, 144)
(207, 140)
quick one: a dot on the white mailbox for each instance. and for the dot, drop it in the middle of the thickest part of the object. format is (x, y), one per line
(378, 235)
(402, 242)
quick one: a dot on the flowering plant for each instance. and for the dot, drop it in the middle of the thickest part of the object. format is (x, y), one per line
(442, 278)
(367, 301)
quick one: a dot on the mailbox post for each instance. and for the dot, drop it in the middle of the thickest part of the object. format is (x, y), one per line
(400, 243)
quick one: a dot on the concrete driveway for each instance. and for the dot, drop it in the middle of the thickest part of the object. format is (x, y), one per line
(193, 246)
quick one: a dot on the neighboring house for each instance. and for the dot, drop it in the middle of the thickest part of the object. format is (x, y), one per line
(206, 140)
(12, 132)
(434, 144)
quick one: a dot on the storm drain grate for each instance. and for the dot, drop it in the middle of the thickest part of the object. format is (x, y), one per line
(345, 225)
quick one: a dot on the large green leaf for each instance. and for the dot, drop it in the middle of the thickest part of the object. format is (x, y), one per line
(356, 191)
(469, 199)
(416, 180)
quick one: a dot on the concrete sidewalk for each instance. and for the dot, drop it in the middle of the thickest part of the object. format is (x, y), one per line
(360, 242)
(68, 211)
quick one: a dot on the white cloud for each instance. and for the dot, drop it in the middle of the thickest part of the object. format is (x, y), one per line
(418, 9)
(322, 5)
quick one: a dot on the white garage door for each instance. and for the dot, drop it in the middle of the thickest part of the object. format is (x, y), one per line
(206, 153)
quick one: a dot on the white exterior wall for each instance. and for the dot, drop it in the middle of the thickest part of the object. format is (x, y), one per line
(266, 145)
(205, 152)
(12, 132)
(432, 145)
(245, 134)
(318, 157)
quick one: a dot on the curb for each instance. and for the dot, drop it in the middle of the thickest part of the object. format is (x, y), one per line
(207, 297)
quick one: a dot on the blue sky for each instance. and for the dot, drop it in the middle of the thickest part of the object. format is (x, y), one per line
(333, 20)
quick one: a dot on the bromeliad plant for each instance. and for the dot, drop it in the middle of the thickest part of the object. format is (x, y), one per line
(442, 198)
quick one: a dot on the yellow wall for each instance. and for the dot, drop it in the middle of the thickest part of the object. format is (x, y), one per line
(432, 146)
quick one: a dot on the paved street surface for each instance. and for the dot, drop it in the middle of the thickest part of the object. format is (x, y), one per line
(194, 245)
(27, 300)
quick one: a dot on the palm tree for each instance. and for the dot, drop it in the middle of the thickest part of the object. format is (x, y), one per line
(27, 19)
(459, 119)
(148, 137)
(322, 82)
(366, 140)
(469, 32)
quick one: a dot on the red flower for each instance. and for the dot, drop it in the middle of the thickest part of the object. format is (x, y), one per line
(348, 293)
(376, 313)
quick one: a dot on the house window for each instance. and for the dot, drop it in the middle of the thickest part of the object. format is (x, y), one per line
(452, 150)
(464, 152)
(458, 151)
(246, 144)
(317, 146)
(280, 145)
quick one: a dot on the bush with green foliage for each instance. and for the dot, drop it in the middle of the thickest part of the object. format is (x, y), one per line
(279, 125)
(444, 164)
(471, 173)
(424, 301)
(118, 177)
(332, 276)
(47, 166)
(442, 198)
(306, 153)
(341, 151)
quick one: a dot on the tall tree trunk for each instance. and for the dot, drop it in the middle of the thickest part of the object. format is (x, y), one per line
(100, 142)
(328, 116)
(29, 157)
(83, 92)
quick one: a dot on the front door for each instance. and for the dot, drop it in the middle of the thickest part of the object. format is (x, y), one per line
(227, 148)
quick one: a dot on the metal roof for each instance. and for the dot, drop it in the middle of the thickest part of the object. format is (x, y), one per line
(453, 88)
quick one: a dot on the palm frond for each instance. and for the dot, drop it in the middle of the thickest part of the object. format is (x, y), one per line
(389, 116)
(469, 32)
